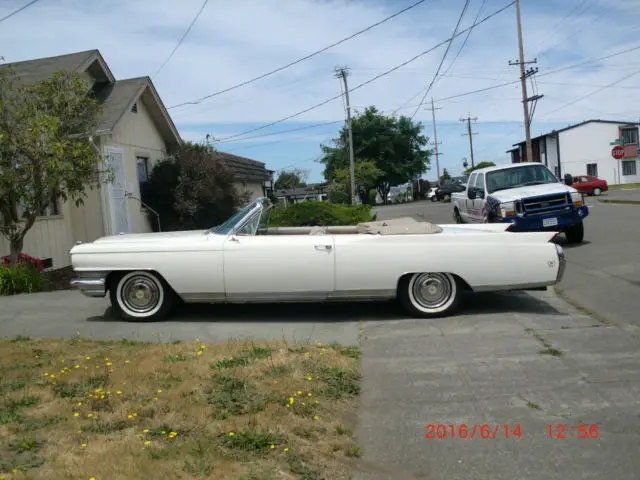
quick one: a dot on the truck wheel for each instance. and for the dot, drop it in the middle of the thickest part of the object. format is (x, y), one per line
(575, 233)
(597, 192)
(456, 216)
(430, 294)
(433, 198)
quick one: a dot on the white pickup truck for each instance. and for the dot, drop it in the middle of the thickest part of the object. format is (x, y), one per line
(527, 195)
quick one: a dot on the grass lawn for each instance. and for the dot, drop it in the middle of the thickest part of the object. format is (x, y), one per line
(81, 409)
(621, 187)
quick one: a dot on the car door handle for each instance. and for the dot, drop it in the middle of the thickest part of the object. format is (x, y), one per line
(322, 247)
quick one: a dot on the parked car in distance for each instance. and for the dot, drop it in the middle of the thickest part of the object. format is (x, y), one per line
(528, 196)
(590, 185)
(445, 191)
(244, 260)
(431, 195)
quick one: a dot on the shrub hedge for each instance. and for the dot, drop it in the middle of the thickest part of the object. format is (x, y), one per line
(320, 213)
(21, 278)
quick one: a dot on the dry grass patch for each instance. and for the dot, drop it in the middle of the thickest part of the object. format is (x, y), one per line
(76, 409)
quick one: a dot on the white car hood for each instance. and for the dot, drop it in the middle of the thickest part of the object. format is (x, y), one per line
(531, 191)
(151, 237)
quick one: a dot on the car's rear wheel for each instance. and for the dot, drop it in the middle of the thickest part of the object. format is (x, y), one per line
(597, 192)
(430, 294)
(434, 198)
(141, 296)
(456, 216)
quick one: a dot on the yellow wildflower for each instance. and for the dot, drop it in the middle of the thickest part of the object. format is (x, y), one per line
(315, 417)
(199, 353)
(309, 395)
(118, 392)
(273, 446)
(84, 445)
(87, 358)
(76, 414)
(148, 442)
(231, 434)
(159, 390)
(286, 449)
(146, 430)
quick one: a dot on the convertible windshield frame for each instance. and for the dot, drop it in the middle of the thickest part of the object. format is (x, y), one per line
(241, 217)
(540, 175)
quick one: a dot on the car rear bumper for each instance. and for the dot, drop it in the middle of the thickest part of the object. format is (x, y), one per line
(537, 223)
(91, 284)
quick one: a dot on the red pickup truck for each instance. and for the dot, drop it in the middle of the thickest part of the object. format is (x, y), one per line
(589, 185)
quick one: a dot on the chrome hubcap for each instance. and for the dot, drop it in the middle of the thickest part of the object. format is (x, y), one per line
(432, 290)
(140, 294)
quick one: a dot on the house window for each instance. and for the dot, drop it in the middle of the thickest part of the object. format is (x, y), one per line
(592, 169)
(629, 167)
(48, 208)
(142, 165)
(629, 135)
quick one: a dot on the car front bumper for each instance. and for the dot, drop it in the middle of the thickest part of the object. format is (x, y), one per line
(537, 223)
(91, 284)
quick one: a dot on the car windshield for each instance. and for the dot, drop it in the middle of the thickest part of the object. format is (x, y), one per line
(229, 225)
(519, 177)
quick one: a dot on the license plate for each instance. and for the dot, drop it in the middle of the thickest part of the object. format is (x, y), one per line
(549, 222)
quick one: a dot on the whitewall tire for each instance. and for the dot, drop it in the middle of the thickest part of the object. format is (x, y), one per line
(141, 296)
(430, 294)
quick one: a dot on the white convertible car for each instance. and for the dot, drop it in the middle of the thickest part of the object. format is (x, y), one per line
(425, 266)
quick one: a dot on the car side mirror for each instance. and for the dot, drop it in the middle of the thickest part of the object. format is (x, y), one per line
(471, 193)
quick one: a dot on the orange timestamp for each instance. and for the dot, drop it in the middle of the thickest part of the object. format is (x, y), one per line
(483, 431)
(583, 430)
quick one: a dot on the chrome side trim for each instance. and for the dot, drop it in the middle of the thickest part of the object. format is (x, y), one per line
(562, 263)
(514, 287)
(90, 287)
(287, 297)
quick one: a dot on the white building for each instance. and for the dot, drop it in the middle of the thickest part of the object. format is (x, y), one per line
(586, 149)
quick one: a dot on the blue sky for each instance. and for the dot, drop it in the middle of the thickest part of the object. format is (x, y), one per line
(234, 41)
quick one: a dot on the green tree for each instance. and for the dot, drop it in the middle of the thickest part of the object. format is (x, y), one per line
(192, 190)
(367, 175)
(295, 178)
(445, 176)
(394, 144)
(46, 149)
(478, 166)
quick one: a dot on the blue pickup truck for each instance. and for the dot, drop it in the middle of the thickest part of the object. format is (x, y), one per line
(527, 195)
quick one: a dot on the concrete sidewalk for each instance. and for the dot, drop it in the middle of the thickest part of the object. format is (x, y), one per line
(488, 369)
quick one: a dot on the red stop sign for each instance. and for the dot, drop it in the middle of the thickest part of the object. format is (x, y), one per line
(617, 152)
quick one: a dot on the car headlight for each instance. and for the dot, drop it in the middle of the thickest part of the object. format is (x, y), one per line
(577, 199)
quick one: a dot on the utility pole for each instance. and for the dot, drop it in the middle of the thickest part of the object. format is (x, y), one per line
(435, 136)
(523, 82)
(468, 121)
(343, 73)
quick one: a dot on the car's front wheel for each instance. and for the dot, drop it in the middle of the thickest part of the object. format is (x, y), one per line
(575, 233)
(141, 296)
(430, 294)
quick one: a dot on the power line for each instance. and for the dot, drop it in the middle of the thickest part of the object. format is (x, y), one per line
(184, 35)
(373, 79)
(317, 52)
(466, 39)
(594, 92)
(15, 12)
(446, 52)
(443, 99)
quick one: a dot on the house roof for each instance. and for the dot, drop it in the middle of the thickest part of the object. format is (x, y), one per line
(38, 69)
(245, 169)
(576, 125)
(116, 96)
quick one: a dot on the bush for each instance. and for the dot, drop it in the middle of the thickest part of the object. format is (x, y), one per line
(25, 259)
(21, 278)
(319, 213)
